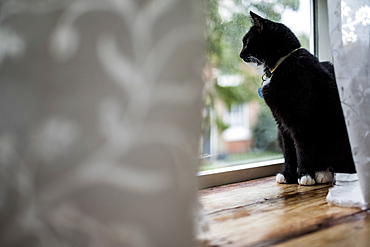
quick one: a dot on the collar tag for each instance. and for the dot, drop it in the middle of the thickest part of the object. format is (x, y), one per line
(260, 92)
(264, 83)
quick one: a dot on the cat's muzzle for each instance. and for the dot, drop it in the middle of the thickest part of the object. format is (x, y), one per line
(250, 59)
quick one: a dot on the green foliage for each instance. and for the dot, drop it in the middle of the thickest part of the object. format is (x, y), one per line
(292, 4)
(231, 95)
(221, 125)
(240, 94)
(305, 41)
(265, 132)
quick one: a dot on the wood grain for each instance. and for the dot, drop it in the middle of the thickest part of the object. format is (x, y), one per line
(354, 230)
(264, 213)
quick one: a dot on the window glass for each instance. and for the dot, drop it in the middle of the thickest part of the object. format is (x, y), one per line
(237, 125)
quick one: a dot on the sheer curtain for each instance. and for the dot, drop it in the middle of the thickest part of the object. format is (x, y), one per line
(100, 106)
(349, 29)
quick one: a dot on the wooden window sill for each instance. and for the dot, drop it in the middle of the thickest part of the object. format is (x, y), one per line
(263, 213)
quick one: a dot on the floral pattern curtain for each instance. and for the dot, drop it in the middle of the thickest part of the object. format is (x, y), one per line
(99, 121)
(349, 28)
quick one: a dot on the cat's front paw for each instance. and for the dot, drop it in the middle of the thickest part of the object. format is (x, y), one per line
(280, 178)
(286, 178)
(323, 177)
(306, 180)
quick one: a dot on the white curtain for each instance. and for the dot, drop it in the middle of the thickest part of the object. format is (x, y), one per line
(100, 119)
(349, 29)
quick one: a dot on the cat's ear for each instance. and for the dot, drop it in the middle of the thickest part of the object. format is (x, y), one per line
(257, 20)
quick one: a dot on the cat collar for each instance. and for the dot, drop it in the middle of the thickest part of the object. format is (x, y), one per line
(269, 73)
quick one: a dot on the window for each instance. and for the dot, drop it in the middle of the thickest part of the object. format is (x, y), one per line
(238, 128)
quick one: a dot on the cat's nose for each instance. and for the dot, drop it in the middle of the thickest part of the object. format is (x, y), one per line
(241, 55)
(244, 56)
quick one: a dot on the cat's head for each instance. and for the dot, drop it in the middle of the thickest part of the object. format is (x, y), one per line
(266, 42)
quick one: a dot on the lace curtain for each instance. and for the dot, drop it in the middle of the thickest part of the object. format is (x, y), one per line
(100, 120)
(349, 29)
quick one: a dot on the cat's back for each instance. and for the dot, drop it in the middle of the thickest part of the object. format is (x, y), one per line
(303, 88)
(303, 75)
(303, 64)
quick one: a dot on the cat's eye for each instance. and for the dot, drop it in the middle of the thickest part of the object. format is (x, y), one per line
(237, 126)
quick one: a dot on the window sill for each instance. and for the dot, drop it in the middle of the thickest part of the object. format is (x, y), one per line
(262, 212)
(234, 174)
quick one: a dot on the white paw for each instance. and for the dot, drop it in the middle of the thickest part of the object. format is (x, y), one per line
(323, 177)
(280, 178)
(306, 180)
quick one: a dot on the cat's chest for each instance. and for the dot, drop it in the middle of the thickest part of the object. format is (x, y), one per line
(276, 92)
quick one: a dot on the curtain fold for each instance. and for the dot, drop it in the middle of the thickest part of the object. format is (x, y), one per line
(100, 106)
(349, 29)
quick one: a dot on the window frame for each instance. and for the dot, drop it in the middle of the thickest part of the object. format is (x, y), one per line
(239, 173)
(320, 46)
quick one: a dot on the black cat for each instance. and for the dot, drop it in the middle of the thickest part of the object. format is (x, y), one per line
(302, 95)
